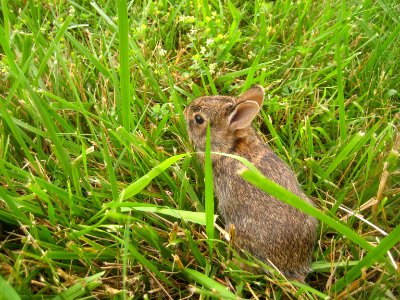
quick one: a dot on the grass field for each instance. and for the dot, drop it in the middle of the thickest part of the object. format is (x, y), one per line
(99, 195)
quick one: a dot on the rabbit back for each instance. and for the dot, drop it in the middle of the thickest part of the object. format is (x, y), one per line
(271, 230)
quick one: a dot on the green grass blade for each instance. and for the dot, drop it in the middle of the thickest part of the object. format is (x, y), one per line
(6, 291)
(52, 47)
(340, 97)
(125, 255)
(189, 216)
(209, 192)
(6, 17)
(124, 103)
(219, 290)
(104, 15)
(137, 186)
(79, 289)
(109, 166)
(306, 288)
(195, 250)
(13, 207)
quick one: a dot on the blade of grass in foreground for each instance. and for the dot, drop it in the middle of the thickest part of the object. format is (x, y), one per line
(6, 19)
(12, 205)
(125, 255)
(137, 186)
(340, 98)
(209, 193)
(51, 48)
(189, 216)
(6, 290)
(109, 166)
(218, 289)
(195, 250)
(123, 106)
(303, 287)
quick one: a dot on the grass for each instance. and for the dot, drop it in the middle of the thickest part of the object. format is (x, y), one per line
(99, 193)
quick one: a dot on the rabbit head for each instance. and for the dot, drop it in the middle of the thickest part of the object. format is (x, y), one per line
(229, 118)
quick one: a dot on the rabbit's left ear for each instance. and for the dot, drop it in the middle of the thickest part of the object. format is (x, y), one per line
(243, 114)
(255, 93)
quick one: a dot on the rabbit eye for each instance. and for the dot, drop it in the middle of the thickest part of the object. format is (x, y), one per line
(199, 119)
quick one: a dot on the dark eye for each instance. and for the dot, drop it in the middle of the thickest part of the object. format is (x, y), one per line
(199, 119)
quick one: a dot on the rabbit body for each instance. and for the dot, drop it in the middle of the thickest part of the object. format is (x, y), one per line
(271, 230)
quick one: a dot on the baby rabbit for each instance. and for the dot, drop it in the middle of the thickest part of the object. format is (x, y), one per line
(271, 230)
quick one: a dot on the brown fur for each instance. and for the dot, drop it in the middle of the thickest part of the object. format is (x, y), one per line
(266, 227)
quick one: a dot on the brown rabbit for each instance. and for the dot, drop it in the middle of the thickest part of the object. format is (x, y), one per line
(271, 230)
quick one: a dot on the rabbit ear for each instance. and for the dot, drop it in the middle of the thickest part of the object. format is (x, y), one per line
(255, 93)
(243, 114)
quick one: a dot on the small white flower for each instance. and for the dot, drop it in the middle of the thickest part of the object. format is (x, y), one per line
(250, 54)
(193, 31)
(212, 67)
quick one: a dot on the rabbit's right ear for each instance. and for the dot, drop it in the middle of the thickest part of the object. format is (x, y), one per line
(243, 114)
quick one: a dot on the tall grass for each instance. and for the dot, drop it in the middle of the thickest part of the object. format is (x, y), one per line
(100, 193)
